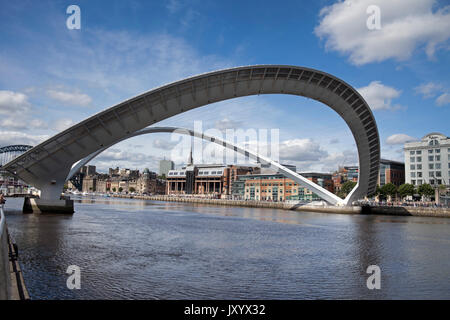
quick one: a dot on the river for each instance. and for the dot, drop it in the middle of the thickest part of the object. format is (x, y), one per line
(141, 249)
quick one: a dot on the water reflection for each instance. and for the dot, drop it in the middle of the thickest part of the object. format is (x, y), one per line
(136, 249)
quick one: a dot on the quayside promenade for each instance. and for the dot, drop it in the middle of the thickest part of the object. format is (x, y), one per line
(365, 209)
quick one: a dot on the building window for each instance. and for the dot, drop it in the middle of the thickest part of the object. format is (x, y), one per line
(437, 150)
(439, 181)
(430, 166)
(419, 174)
(412, 152)
(430, 150)
(413, 182)
(413, 174)
(438, 158)
(419, 159)
(412, 159)
(419, 182)
(430, 158)
(413, 167)
(438, 174)
(433, 143)
(431, 181)
(419, 167)
(419, 152)
(431, 174)
(438, 165)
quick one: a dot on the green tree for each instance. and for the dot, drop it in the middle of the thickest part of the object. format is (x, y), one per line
(346, 188)
(114, 189)
(378, 190)
(389, 189)
(120, 189)
(132, 189)
(405, 190)
(425, 190)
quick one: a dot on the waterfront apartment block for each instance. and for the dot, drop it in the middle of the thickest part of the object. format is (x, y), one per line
(391, 172)
(344, 174)
(428, 160)
(276, 187)
(124, 180)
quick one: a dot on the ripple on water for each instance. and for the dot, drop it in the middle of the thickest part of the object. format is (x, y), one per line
(134, 249)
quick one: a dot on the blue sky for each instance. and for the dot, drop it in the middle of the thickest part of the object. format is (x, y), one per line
(52, 77)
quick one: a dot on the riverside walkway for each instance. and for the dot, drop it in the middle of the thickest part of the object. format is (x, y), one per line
(364, 209)
(12, 285)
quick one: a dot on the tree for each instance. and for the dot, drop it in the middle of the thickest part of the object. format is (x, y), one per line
(389, 189)
(132, 189)
(425, 190)
(114, 189)
(378, 190)
(405, 190)
(120, 189)
(442, 188)
(346, 188)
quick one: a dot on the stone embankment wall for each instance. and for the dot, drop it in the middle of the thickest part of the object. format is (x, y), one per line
(5, 281)
(387, 210)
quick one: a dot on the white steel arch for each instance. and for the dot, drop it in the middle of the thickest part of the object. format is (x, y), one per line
(46, 166)
(321, 192)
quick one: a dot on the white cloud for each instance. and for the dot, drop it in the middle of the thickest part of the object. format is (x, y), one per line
(301, 150)
(328, 163)
(443, 99)
(428, 90)
(62, 124)
(405, 26)
(14, 137)
(70, 98)
(123, 64)
(399, 138)
(164, 144)
(11, 123)
(13, 102)
(227, 123)
(431, 90)
(379, 96)
(113, 157)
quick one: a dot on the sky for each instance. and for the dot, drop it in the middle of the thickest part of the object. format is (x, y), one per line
(397, 55)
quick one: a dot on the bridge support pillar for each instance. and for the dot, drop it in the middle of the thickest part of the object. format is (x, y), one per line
(34, 205)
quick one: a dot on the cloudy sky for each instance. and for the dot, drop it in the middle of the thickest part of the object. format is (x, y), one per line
(52, 77)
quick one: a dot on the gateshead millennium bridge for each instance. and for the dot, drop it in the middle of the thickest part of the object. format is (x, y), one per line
(47, 165)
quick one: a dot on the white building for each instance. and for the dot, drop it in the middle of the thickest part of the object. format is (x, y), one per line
(428, 160)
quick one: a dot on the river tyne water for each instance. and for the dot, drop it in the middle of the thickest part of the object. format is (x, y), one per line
(136, 249)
